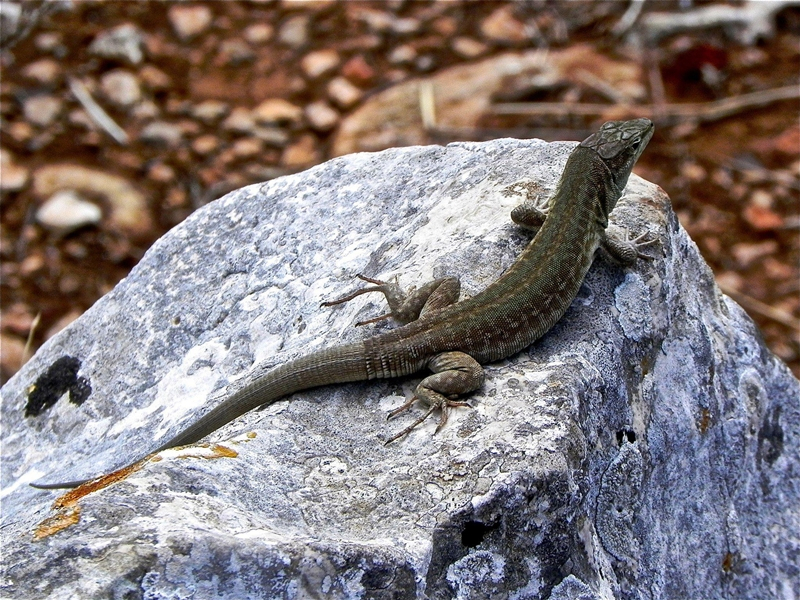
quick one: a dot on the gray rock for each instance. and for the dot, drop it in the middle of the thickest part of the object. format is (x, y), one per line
(124, 42)
(647, 447)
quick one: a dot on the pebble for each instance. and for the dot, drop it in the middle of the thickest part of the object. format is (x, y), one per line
(312, 5)
(321, 116)
(247, 147)
(189, 21)
(468, 47)
(154, 78)
(205, 144)
(258, 33)
(294, 32)
(761, 218)
(123, 43)
(502, 26)
(12, 357)
(233, 53)
(160, 172)
(161, 132)
(17, 318)
(121, 87)
(404, 54)
(272, 136)
(66, 211)
(14, 177)
(302, 153)
(277, 110)
(747, 253)
(209, 111)
(239, 121)
(128, 207)
(321, 62)
(44, 71)
(343, 93)
(42, 110)
(358, 69)
(50, 41)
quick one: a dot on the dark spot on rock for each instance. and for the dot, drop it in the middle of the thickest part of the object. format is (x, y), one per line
(59, 378)
(770, 437)
(625, 434)
(473, 532)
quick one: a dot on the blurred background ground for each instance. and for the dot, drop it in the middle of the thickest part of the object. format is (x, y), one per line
(118, 119)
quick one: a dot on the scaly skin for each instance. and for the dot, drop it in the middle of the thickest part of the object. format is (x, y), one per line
(509, 315)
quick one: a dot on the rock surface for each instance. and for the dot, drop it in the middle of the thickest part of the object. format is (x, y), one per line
(647, 447)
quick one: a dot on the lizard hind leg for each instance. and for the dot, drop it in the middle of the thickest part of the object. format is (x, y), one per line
(405, 307)
(454, 373)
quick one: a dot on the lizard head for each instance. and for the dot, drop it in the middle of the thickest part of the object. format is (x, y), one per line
(620, 144)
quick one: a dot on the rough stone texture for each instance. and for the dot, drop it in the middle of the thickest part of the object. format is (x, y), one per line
(647, 447)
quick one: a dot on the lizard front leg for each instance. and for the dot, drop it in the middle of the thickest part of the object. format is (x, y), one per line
(616, 241)
(454, 373)
(621, 248)
(407, 307)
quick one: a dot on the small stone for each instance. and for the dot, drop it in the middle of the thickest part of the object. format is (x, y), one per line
(693, 172)
(239, 121)
(377, 21)
(272, 136)
(502, 26)
(233, 53)
(123, 43)
(42, 110)
(788, 142)
(205, 144)
(48, 42)
(121, 87)
(762, 218)
(13, 177)
(747, 253)
(402, 55)
(307, 5)
(45, 70)
(189, 21)
(775, 269)
(321, 116)
(258, 33)
(161, 173)
(209, 111)
(722, 177)
(277, 110)
(20, 131)
(343, 93)
(321, 62)
(247, 147)
(146, 110)
(358, 69)
(161, 132)
(155, 78)
(12, 356)
(302, 153)
(17, 318)
(294, 32)
(729, 280)
(31, 264)
(66, 211)
(445, 26)
(468, 47)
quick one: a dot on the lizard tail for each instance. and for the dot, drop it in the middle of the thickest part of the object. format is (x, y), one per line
(339, 364)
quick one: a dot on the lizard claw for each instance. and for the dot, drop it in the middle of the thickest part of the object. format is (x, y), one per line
(444, 405)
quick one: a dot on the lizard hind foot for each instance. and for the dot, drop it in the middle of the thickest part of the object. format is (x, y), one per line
(444, 405)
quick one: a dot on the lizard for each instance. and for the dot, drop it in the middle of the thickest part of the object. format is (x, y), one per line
(454, 338)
